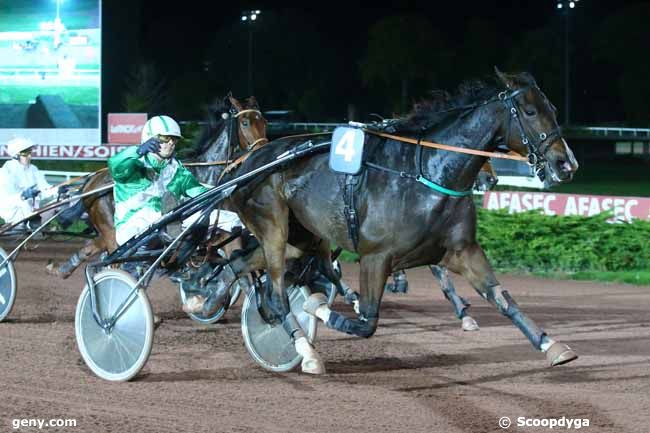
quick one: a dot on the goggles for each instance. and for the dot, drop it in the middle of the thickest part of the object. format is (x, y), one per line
(168, 139)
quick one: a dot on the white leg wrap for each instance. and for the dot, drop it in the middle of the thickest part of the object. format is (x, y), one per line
(311, 362)
(548, 342)
(323, 313)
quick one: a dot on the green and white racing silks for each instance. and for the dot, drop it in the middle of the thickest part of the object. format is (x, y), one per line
(140, 182)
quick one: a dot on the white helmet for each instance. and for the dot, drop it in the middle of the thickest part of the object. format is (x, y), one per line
(17, 145)
(160, 125)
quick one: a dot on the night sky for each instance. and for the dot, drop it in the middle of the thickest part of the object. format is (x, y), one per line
(177, 37)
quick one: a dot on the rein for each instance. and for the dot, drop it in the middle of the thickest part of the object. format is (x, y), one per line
(448, 147)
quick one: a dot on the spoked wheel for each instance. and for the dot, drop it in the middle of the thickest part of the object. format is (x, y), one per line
(117, 354)
(235, 291)
(7, 286)
(270, 346)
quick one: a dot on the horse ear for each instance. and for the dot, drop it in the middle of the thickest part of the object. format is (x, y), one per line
(235, 103)
(505, 79)
(252, 102)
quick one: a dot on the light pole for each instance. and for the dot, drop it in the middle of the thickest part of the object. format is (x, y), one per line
(566, 7)
(249, 17)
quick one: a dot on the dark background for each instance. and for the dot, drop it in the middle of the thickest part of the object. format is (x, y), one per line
(322, 58)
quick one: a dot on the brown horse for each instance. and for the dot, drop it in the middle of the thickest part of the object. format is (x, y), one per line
(404, 221)
(212, 146)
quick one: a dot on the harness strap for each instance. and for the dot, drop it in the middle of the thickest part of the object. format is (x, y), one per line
(449, 148)
(421, 179)
(350, 208)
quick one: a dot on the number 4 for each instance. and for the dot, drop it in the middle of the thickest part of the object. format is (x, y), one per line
(345, 146)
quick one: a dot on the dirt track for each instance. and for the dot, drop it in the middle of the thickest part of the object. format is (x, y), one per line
(419, 373)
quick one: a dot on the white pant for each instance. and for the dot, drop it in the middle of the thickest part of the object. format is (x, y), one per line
(14, 209)
(143, 219)
(227, 220)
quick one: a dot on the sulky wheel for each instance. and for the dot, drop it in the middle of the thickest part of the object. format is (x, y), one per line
(270, 346)
(118, 353)
(7, 286)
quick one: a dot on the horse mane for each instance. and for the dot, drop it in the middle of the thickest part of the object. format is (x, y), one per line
(443, 107)
(212, 127)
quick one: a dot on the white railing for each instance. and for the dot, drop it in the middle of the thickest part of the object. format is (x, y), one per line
(303, 125)
(55, 177)
(614, 131)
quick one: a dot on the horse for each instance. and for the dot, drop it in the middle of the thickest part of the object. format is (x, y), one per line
(486, 180)
(404, 219)
(215, 144)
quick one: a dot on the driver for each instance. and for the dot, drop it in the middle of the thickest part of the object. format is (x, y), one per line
(22, 185)
(142, 174)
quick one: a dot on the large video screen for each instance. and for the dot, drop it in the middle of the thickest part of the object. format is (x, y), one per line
(50, 75)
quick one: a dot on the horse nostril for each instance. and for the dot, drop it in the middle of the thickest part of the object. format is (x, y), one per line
(565, 166)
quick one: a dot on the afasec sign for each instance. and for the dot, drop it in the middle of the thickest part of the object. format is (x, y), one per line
(125, 128)
(624, 208)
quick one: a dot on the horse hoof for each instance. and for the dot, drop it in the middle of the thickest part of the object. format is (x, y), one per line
(559, 354)
(312, 303)
(157, 320)
(52, 269)
(469, 324)
(312, 366)
(194, 305)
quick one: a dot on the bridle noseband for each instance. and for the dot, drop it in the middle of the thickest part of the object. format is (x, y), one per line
(538, 146)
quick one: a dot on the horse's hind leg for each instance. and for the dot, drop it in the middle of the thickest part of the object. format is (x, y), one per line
(473, 265)
(66, 269)
(399, 284)
(460, 304)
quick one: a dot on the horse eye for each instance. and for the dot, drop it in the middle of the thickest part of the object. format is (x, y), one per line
(530, 110)
(244, 122)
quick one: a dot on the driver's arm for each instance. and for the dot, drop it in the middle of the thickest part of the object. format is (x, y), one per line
(125, 164)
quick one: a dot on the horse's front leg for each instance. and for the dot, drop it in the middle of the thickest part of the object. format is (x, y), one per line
(459, 303)
(374, 272)
(473, 265)
(271, 226)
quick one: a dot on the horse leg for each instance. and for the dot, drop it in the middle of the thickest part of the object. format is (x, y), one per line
(399, 284)
(460, 304)
(473, 265)
(271, 226)
(375, 269)
(66, 269)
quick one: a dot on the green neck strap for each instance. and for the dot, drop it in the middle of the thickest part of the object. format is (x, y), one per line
(442, 189)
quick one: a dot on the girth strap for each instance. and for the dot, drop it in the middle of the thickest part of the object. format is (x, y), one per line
(350, 209)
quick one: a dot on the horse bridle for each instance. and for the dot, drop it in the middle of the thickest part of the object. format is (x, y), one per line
(538, 146)
(262, 140)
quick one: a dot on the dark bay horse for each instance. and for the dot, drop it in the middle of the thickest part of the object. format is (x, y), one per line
(486, 180)
(405, 223)
(229, 122)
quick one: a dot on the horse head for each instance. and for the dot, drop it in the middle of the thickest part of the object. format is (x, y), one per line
(251, 123)
(531, 129)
